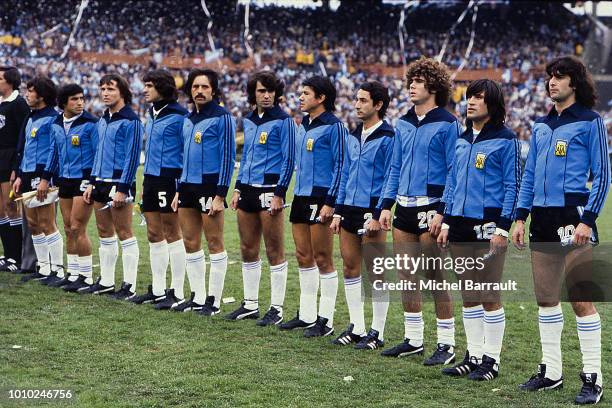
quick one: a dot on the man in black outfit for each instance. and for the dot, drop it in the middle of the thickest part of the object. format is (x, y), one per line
(13, 111)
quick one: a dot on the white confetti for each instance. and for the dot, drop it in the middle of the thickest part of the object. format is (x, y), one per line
(522, 307)
(496, 389)
(228, 300)
(16, 347)
(348, 378)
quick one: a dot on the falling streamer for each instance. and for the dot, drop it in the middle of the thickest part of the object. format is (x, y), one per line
(451, 31)
(75, 27)
(401, 28)
(246, 30)
(468, 51)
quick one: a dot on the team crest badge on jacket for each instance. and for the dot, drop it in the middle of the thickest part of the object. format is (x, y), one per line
(480, 160)
(33, 132)
(561, 148)
(197, 137)
(263, 137)
(309, 144)
(75, 140)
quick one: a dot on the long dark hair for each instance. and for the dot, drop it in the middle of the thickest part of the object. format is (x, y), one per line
(213, 79)
(270, 81)
(580, 78)
(493, 97)
(163, 82)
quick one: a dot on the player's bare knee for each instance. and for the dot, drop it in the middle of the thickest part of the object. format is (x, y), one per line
(304, 260)
(582, 309)
(324, 262)
(491, 306)
(191, 245)
(350, 271)
(124, 234)
(154, 236)
(276, 256)
(215, 245)
(249, 253)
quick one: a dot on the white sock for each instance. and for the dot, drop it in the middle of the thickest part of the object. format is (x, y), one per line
(177, 255)
(108, 258)
(589, 335)
(159, 256)
(216, 280)
(251, 274)
(414, 326)
(309, 289)
(494, 327)
(380, 306)
(473, 323)
(72, 262)
(445, 329)
(86, 268)
(329, 291)
(352, 291)
(551, 326)
(55, 243)
(278, 283)
(42, 253)
(129, 258)
(196, 271)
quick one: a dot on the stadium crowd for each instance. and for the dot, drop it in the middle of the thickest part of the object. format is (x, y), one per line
(293, 43)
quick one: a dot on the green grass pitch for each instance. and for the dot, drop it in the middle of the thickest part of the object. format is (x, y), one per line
(115, 354)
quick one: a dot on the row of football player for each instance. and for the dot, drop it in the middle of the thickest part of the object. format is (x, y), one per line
(450, 185)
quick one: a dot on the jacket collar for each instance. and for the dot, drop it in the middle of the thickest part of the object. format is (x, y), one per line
(488, 131)
(11, 97)
(437, 114)
(167, 108)
(269, 114)
(326, 118)
(46, 111)
(84, 118)
(575, 110)
(124, 113)
(383, 130)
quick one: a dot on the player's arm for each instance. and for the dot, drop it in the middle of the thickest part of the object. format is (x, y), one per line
(449, 146)
(511, 181)
(600, 169)
(525, 195)
(134, 131)
(227, 153)
(338, 137)
(51, 168)
(288, 132)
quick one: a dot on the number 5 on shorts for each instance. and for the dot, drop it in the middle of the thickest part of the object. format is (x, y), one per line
(161, 195)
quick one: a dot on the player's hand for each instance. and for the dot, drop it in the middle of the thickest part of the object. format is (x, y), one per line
(498, 245)
(12, 177)
(326, 213)
(518, 235)
(174, 204)
(42, 190)
(582, 235)
(385, 220)
(442, 239)
(119, 199)
(17, 185)
(217, 206)
(372, 228)
(234, 200)
(276, 206)
(87, 194)
(335, 225)
(436, 225)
